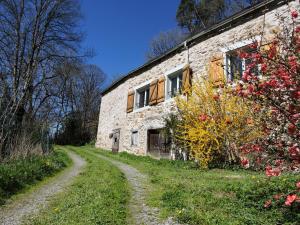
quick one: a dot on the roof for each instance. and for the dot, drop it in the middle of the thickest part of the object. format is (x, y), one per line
(232, 21)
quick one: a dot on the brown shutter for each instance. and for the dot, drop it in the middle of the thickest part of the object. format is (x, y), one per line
(186, 79)
(153, 92)
(130, 101)
(161, 90)
(216, 71)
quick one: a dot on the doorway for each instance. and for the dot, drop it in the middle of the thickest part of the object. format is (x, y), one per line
(158, 145)
(115, 140)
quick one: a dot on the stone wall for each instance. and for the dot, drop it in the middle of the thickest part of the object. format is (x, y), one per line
(113, 113)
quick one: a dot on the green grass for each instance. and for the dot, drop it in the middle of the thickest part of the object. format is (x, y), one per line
(21, 174)
(99, 195)
(217, 196)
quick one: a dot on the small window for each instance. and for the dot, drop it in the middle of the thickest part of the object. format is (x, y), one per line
(174, 84)
(236, 66)
(142, 99)
(134, 137)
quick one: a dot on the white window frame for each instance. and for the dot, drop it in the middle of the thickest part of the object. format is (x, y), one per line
(134, 134)
(233, 47)
(169, 74)
(136, 95)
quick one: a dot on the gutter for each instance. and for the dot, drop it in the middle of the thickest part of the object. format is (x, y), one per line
(232, 21)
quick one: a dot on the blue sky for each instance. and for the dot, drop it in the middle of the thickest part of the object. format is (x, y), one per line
(120, 31)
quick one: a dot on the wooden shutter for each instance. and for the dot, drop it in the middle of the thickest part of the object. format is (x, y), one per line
(153, 92)
(186, 79)
(161, 90)
(130, 101)
(216, 70)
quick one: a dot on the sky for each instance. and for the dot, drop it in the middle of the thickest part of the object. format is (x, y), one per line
(119, 31)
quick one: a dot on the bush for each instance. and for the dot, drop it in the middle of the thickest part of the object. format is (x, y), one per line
(17, 174)
(215, 122)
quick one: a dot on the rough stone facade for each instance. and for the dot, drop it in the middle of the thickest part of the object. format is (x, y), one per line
(113, 113)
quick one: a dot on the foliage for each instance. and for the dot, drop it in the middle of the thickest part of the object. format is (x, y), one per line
(99, 195)
(215, 196)
(16, 174)
(278, 94)
(215, 122)
(165, 41)
(36, 37)
(197, 15)
(79, 123)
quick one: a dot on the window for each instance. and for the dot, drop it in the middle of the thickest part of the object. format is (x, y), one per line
(134, 137)
(236, 66)
(174, 84)
(142, 98)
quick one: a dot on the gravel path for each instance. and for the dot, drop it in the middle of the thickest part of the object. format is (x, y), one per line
(141, 213)
(13, 213)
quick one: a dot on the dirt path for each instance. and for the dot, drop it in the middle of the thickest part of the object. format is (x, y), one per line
(141, 213)
(13, 213)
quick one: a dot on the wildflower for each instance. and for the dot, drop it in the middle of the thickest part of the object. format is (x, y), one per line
(203, 117)
(272, 172)
(298, 184)
(290, 199)
(294, 14)
(268, 203)
(245, 163)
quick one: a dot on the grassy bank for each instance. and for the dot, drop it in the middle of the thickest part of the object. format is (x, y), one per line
(214, 196)
(17, 175)
(98, 195)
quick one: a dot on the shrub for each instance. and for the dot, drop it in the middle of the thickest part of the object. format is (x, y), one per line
(18, 173)
(215, 122)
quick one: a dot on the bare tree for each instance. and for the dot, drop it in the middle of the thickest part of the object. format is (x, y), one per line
(82, 103)
(164, 42)
(35, 36)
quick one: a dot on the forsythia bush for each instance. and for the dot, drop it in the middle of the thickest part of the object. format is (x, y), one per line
(215, 122)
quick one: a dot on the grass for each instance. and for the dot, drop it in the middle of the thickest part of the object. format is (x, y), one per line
(19, 175)
(217, 196)
(99, 195)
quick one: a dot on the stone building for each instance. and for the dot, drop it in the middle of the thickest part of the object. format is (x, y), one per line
(133, 108)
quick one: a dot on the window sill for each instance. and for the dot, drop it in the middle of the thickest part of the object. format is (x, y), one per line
(142, 109)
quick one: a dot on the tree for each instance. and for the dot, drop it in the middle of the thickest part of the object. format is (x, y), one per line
(79, 121)
(35, 36)
(164, 42)
(197, 15)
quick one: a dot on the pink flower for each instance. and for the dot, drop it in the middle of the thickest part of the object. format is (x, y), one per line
(270, 172)
(245, 163)
(294, 14)
(268, 203)
(297, 29)
(298, 184)
(292, 129)
(294, 151)
(203, 117)
(263, 67)
(290, 199)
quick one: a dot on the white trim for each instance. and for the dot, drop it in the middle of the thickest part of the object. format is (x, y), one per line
(142, 85)
(180, 67)
(136, 110)
(235, 46)
(168, 74)
(240, 44)
(136, 94)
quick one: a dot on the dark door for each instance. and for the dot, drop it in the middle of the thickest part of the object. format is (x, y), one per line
(157, 145)
(116, 140)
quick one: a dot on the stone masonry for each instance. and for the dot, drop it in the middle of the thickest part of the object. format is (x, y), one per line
(113, 113)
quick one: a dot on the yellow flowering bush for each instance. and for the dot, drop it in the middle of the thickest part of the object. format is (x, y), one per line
(215, 122)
